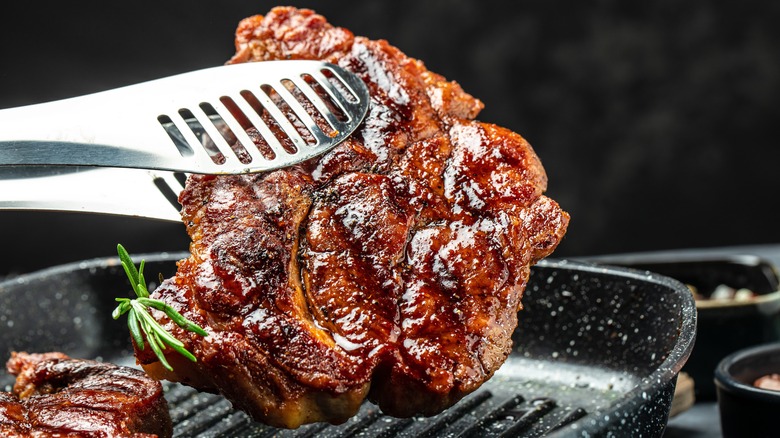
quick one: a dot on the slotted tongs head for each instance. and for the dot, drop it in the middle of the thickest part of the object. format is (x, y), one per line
(230, 119)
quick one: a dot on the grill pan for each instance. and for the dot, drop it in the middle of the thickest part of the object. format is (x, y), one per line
(597, 353)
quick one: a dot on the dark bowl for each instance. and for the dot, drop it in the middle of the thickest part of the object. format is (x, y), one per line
(746, 410)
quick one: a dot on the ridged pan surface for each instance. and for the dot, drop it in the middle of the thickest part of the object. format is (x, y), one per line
(597, 352)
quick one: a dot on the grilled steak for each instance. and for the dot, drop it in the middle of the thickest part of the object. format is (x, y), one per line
(56, 396)
(391, 268)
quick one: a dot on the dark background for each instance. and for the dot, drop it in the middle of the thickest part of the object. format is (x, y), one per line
(656, 121)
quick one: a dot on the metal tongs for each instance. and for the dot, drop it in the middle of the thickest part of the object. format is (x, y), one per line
(84, 154)
(196, 122)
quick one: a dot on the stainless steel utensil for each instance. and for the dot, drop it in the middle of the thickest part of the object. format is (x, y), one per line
(139, 193)
(224, 120)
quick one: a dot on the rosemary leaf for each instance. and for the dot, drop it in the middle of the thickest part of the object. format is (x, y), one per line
(140, 322)
(127, 264)
(175, 316)
(135, 329)
(122, 308)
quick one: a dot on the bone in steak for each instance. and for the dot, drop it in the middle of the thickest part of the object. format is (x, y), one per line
(391, 268)
(56, 396)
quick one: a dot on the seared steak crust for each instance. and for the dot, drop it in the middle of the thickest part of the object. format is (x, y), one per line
(391, 268)
(56, 396)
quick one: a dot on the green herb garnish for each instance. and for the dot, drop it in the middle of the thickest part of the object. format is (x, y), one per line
(138, 317)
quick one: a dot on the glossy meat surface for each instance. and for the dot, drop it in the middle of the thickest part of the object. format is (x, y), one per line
(392, 268)
(56, 396)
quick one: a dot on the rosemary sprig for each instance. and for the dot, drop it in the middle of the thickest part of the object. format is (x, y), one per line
(139, 320)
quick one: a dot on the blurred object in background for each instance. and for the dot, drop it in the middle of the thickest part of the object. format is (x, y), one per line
(654, 120)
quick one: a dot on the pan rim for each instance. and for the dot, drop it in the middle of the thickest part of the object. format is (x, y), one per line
(666, 372)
